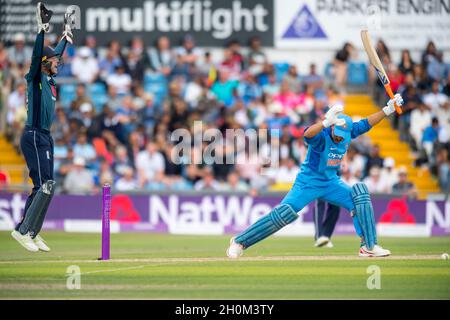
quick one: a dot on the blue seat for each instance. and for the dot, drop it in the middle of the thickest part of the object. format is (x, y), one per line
(281, 68)
(155, 88)
(96, 88)
(99, 100)
(150, 78)
(357, 73)
(67, 93)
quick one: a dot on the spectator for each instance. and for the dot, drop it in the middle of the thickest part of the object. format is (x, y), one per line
(230, 63)
(288, 99)
(249, 89)
(406, 64)
(383, 51)
(137, 61)
(16, 112)
(340, 65)
(428, 54)
(348, 177)
(207, 182)
(312, 79)
(389, 174)
(292, 78)
(105, 175)
(120, 80)
(150, 167)
(374, 160)
(84, 150)
(126, 182)
(162, 58)
(437, 69)
(109, 63)
(19, 54)
(85, 67)
(234, 183)
(420, 119)
(287, 172)
(121, 162)
(224, 88)
(79, 180)
(91, 43)
(257, 60)
(429, 138)
(374, 182)
(404, 186)
(443, 169)
(272, 87)
(435, 99)
(356, 162)
(188, 57)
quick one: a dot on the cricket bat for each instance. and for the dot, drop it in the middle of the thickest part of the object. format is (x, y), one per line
(375, 61)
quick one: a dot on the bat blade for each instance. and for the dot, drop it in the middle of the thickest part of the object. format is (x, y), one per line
(376, 63)
(373, 57)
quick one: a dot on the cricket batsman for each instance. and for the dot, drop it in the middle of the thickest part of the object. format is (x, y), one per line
(36, 142)
(328, 142)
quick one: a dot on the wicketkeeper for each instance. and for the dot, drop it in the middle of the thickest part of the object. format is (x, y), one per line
(328, 142)
(36, 142)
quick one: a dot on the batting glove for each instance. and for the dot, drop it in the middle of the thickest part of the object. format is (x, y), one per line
(43, 16)
(331, 117)
(390, 108)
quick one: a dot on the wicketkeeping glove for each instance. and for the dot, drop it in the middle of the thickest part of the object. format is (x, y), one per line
(390, 108)
(67, 27)
(43, 16)
(331, 117)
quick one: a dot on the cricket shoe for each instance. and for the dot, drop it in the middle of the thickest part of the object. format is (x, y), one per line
(321, 241)
(235, 250)
(377, 251)
(329, 245)
(25, 241)
(40, 243)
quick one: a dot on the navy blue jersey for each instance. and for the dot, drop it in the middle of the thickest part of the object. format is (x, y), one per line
(41, 90)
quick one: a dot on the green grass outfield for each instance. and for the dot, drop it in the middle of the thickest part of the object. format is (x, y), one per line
(155, 266)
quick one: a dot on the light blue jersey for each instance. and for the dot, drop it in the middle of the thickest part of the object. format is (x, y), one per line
(324, 156)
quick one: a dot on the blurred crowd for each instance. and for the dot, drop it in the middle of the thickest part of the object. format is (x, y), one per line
(115, 125)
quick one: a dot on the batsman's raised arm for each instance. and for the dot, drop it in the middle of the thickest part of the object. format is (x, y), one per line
(389, 109)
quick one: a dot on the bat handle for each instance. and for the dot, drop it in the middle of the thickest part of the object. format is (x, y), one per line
(391, 95)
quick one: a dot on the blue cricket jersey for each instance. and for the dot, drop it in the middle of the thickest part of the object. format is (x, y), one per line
(324, 156)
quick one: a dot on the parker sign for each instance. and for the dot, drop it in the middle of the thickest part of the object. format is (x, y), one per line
(328, 24)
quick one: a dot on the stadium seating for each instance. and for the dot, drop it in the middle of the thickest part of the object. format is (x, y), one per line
(67, 94)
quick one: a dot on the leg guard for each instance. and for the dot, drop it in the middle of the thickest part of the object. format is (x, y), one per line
(35, 215)
(364, 213)
(279, 217)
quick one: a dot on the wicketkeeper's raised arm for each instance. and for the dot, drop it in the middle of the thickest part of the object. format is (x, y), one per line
(389, 109)
(36, 57)
(331, 117)
(43, 17)
(67, 36)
